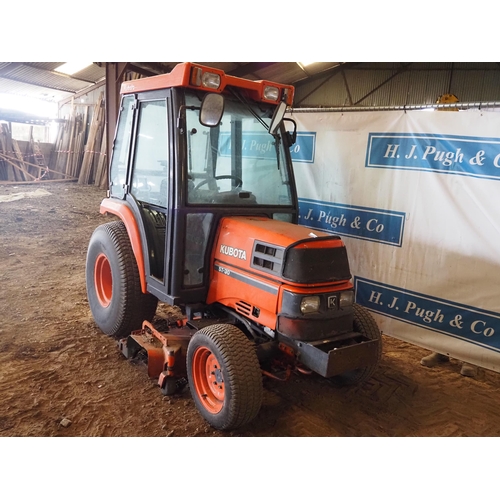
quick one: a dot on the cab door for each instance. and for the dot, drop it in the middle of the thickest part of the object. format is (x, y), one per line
(148, 191)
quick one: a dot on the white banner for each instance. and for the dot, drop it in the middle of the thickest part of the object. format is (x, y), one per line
(415, 197)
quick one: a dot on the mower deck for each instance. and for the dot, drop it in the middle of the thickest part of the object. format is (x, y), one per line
(166, 352)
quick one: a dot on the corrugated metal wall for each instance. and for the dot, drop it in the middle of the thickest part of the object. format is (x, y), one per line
(400, 84)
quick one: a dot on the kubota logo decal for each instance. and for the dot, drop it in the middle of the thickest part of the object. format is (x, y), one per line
(233, 252)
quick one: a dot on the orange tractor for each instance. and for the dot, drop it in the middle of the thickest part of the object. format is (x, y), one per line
(201, 180)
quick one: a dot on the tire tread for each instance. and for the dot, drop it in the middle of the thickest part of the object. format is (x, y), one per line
(133, 305)
(242, 372)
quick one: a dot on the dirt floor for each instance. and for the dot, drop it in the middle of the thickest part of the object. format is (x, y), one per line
(60, 376)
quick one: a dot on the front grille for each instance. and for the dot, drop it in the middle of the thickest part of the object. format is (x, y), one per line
(267, 258)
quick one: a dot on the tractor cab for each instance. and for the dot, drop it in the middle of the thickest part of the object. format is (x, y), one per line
(185, 157)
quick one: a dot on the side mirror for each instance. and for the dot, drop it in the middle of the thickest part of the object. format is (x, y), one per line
(290, 137)
(212, 109)
(277, 118)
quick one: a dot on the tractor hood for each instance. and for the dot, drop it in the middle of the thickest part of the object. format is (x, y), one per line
(289, 252)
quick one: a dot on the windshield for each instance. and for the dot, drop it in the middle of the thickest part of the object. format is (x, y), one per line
(238, 162)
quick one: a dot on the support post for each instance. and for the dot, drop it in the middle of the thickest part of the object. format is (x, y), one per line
(115, 73)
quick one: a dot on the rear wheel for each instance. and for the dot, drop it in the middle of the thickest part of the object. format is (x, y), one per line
(224, 376)
(113, 285)
(366, 325)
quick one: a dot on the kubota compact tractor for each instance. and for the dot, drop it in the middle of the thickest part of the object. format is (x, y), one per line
(201, 180)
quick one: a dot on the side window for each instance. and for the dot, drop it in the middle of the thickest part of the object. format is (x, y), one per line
(149, 175)
(118, 168)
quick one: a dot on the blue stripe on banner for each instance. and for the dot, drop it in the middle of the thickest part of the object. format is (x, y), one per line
(304, 148)
(381, 226)
(451, 154)
(450, 318)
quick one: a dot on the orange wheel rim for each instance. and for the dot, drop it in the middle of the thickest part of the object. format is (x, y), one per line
(103, 280)
(208, 380)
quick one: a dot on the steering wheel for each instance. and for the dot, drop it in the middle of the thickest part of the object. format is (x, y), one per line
(239, 182)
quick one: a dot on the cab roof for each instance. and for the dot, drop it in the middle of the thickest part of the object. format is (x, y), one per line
(186, 75)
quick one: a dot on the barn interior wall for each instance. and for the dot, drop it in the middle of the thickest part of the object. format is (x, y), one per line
(398, 85)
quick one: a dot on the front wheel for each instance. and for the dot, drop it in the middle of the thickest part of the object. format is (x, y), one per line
(113, 284)
(224, 376)
(366, 325)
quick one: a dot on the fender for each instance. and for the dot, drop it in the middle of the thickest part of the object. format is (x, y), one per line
(121, 210)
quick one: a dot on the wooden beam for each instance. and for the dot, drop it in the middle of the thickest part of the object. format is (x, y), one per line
(115, 74)
(41, 181)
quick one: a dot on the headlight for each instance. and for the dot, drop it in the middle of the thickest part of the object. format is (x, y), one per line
(271, 93)
(210, 80)
(346, 299)
(309, 304)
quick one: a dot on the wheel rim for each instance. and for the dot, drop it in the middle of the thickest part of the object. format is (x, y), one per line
(208, 380)
(103, 280)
